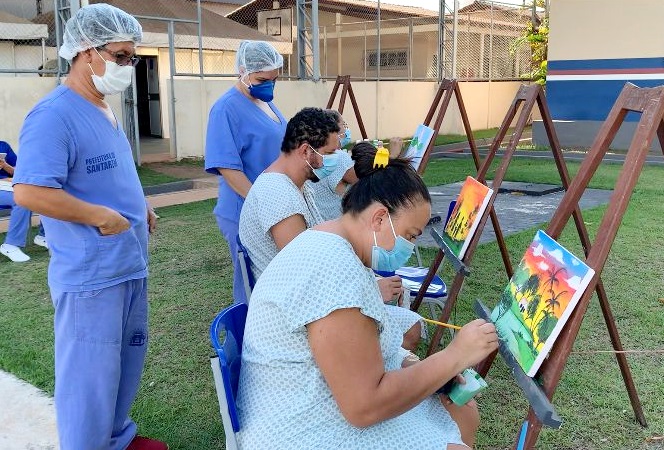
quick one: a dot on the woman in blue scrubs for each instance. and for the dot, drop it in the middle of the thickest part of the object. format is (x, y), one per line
(244, 135)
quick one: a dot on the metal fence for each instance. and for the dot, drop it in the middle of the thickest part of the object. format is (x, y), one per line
(393, 42)
(483, 42)
(27, 41)
(390, 43)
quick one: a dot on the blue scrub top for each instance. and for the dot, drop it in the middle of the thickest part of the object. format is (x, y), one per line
(10, 158)
(68, 143)
(240, 136)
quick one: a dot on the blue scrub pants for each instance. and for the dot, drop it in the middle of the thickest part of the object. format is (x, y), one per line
(19, 220)
(230, 230)
(101, 339)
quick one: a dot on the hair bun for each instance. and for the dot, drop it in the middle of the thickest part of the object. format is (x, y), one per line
(395, 185)
(364, 154)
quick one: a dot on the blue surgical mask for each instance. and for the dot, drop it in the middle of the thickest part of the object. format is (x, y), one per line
(345, 139)
(390, 260)
(263, 91)
(329, 164)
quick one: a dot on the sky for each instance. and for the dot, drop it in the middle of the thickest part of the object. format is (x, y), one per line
(433, 4)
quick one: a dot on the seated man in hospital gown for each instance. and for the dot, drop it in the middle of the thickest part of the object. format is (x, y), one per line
(275, 211)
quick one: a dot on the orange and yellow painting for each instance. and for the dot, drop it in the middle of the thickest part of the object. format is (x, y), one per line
(463, 221)
(539, 298)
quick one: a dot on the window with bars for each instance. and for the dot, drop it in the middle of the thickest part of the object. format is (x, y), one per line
(389, 59)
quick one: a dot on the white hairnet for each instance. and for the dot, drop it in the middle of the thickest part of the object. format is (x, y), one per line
(257, 56)
(96, 25)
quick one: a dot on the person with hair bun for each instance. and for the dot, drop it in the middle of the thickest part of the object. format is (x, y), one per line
(320, 346)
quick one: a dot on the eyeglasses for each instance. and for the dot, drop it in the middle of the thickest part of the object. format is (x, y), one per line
(321, 154)
(120, 58)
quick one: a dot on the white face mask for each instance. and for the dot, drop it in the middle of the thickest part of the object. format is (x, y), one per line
(115, 79)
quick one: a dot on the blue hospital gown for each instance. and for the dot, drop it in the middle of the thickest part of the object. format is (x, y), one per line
(283, 399)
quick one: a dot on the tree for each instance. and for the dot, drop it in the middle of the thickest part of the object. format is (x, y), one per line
(536, 35)
(552, 302)
(553, 279)
(504, 305)
(545, 326)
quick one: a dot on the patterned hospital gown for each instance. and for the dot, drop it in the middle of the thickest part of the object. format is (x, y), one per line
(272, 198)
(283, 400)
(323, 194)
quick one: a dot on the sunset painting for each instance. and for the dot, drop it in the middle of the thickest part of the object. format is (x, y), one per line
(540, 297)
(465, 217)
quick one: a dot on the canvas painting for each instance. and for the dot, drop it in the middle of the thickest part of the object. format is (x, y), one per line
(464, 219)
(540, 297)
(419, 144)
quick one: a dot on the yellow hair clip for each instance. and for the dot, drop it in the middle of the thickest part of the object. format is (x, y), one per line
(382, 158)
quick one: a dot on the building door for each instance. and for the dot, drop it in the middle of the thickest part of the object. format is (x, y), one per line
(147, 90)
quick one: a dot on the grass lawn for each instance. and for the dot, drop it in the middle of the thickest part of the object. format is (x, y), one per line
(191, 281)
(443, 139)
(151, 177)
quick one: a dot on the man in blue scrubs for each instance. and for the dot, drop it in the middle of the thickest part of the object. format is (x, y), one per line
(244, 135)
(76, 169)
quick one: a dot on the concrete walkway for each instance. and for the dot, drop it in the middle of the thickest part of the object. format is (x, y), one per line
(27, 416)
(462, 150)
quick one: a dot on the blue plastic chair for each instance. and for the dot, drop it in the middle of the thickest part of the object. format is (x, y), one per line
(245, 266)
(433, 297)
(226, 365)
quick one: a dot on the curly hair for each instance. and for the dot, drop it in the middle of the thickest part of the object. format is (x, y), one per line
(311, 125)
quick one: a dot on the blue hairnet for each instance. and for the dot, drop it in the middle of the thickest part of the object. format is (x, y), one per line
(96, 25)
(257, 56)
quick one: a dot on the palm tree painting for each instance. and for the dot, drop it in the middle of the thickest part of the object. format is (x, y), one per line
(539, 298)
(464, 219)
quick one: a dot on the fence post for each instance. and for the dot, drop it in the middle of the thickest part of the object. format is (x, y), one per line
(171, 114)
(455, 25)
(366, 56)
(338, 30)
(378, 45)
(325, 50)
(200, 37)
(315, 40)
(410, 49)
(441, 41)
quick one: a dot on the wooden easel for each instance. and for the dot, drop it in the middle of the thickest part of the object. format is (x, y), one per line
(344, 80)
(448, 88)
(650, 103)
(524, 100)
